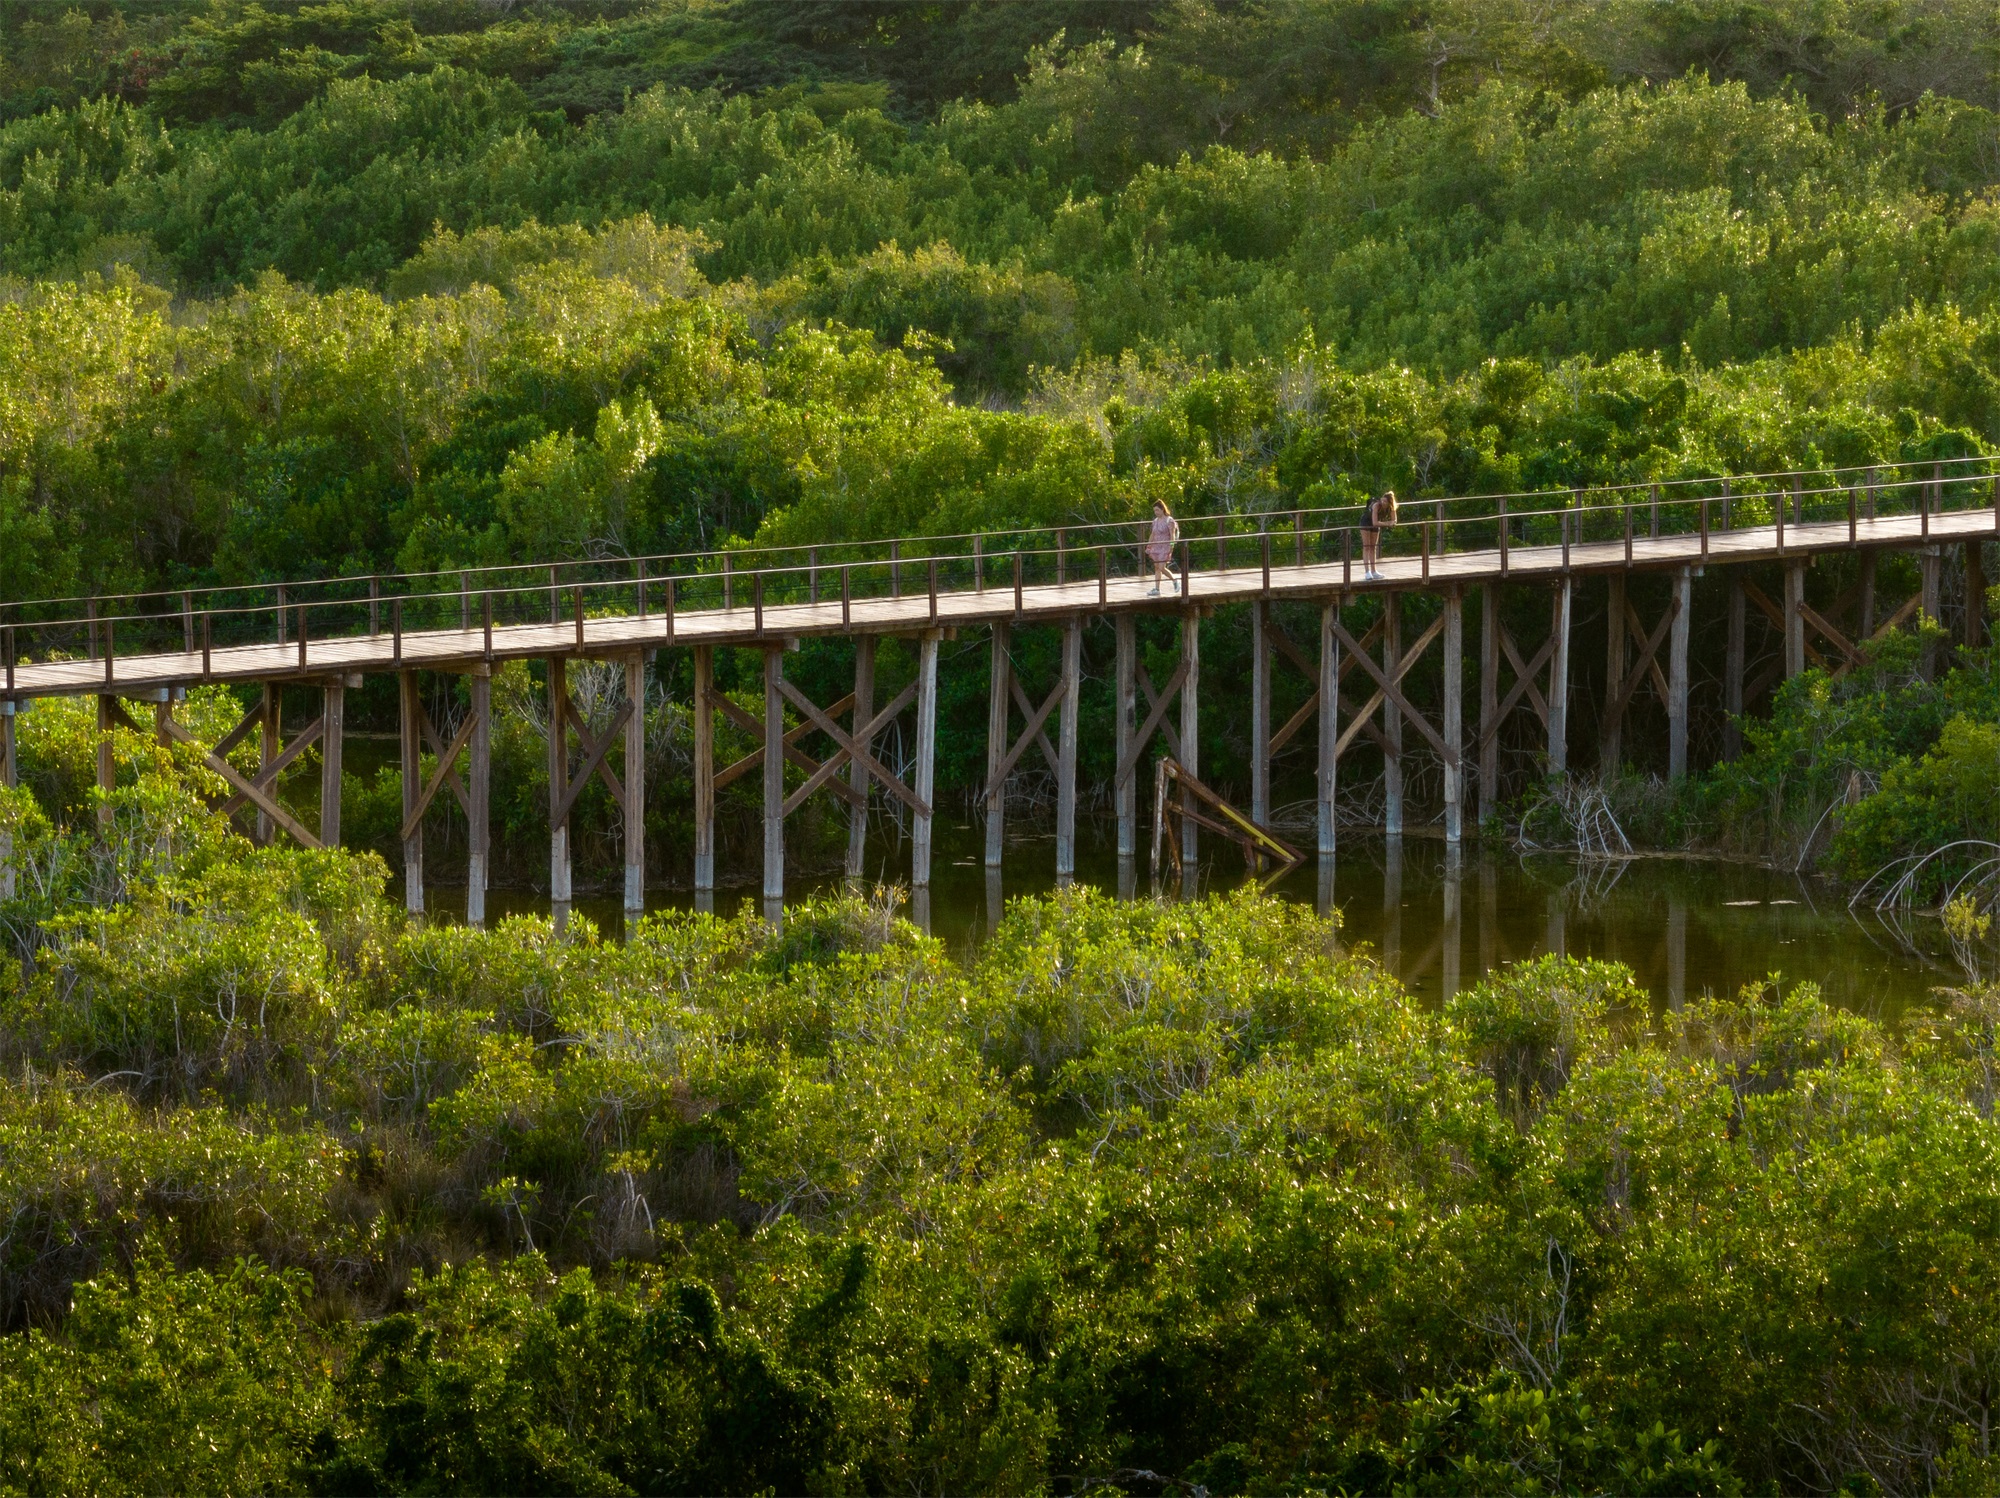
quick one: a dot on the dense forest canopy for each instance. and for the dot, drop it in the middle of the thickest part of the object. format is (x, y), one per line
(300, 1194)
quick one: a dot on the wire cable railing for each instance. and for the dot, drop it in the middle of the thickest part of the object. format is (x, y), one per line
(198, 622)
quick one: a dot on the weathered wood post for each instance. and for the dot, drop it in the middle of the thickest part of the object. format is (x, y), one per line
(1072, 685)
(1795, 618)
(864, 709)
(333, 728)
(479, 797)
(1392, 716)
(1125, 791)
(1452, 941)
(635, 788)
(107, 764)
(1677, 674)
(10, 777)
(560, 890)
(774, 784)
(704, 772)
(1559, 679)
(269, 744)
(1454, 726)
(1260, 710)
(1489, 698)
(1930, 566)
(1329, 728)
(926, 780)
(1732, 669)
(411, 731)
(1190, 725)
(1611, 737)
(998, 684)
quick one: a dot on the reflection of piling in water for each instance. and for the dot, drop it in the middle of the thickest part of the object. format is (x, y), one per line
(1453, 877)
(1556, 942)
(1489, 917)
(1325, 897)
(996, 905)
(1677, 935)
(1392, 905)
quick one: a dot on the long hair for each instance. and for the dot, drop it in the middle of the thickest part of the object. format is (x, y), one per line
(1390, 495)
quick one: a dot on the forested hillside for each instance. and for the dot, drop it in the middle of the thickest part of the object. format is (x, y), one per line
(296, 1193)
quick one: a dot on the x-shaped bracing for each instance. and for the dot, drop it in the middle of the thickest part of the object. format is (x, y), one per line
(259, 791)
(1388, 687)
(1527, 675)
(1034, 733)
(849, 748)
(1309, 709)
(445, 773)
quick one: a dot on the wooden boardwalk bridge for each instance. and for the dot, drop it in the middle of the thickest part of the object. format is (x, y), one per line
(329, 635)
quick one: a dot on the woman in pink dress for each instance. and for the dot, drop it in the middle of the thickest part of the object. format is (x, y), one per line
(1160, 545)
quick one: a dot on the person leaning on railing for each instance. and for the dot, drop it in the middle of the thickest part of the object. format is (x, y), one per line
(1381, 511)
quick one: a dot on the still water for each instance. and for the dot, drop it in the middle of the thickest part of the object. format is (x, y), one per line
(1684, 926)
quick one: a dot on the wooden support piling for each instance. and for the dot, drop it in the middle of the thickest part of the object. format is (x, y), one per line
(1066, 735)
(1795, 619)
(411, 732)
(1190, 755)
(1930, 568)
(1329, 729)
(10, 776)
(704, 770)
(479, 797)
(1453, 726)
(1392, 717)
(1125, 789)
(635, 788)
(926, 770)
(107, 764)
(333, 724)
(1559, 679)
(864, 711)
(1260, 704)
(1677, 675)
(1489, 699)
(774, 782)
(1732, 670)
(560, 891)
(999, 684)
(1975, 594)
(269, 744)
(1611, 729)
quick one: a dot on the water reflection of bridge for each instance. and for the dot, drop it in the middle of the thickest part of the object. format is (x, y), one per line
(1377, 637)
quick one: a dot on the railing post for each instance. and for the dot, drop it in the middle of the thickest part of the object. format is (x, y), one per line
(578, 600)
(1265, 540)
(375, 606)
(639, 580)
(845, 611)
(812, 574)
(757, 602)
(485, 626)
(1926, 497)
(187, 624)
(207, 665)
(1221, 545)
(1187, 578)
(933, 584)
(1017, 584)
(465, 600)
(1424, 541)
(1298, 538)
(1346, 556)
(895, 569)
(1727, 519)
(302, 637)
(555, 600)
(668, 580)
(395, 624)
(1779, 510)
(1704, 525)
(110, 646)
(7, 644)
(1062, 555)
(1502, 517)
(978, 564)
(728, 582)
(1103, 577)
(281, 613)
(1656, 512)
(1852, 528)
(1628, 533)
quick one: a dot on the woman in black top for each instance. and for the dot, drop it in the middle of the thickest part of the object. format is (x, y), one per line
(1381, 511)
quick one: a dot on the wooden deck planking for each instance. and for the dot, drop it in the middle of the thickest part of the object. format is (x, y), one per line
(614, 636)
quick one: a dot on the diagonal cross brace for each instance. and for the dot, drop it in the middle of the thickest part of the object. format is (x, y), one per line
(446, 769)
(1389, 687)
(1031, 734)
(753, 725)
(1159, 711)
(841, 756)
(1524, 685)
(256, 795)
(267, 777)
(1649, 657)
(855, 752)
(594, 752)
(1387, 683)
